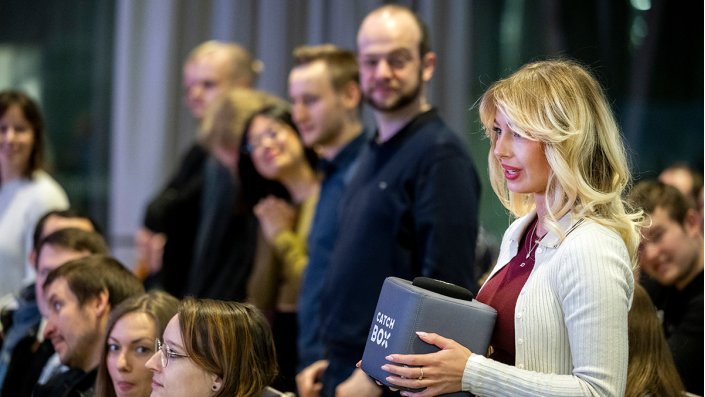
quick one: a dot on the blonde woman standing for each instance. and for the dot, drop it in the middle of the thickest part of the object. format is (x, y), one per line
(563, 281)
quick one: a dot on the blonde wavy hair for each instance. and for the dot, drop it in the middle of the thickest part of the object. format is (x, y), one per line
(560, 104)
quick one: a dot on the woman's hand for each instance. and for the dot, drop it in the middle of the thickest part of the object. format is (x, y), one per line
(275, 216)
(437, 373)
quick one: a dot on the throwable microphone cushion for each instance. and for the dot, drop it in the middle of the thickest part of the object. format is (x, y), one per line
(404, 308)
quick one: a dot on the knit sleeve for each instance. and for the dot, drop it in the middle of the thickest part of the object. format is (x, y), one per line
(589, 280)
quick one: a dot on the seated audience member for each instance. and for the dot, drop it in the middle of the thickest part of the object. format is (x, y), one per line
(131, 331)
(683, 178)
(26, 352)
(59, 219)
(22, 313)
(651, 371)
(27, 191)
(671, 254)
(279, 179)
(224, 268)
(214, 348)
(80, 295)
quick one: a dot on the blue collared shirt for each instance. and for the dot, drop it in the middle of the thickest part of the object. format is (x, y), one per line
(321, 239)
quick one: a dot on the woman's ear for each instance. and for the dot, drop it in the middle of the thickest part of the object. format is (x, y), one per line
(217, 383)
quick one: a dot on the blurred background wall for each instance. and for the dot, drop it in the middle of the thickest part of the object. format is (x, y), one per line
(108, 76)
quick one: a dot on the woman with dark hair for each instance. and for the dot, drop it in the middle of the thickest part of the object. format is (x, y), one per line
(131, 331)
(26, 190)
(214, 348)
(279, 180)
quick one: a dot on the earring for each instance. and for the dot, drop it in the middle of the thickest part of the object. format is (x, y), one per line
(214, 387)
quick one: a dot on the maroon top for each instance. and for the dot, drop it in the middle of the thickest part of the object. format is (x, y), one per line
(501, 292)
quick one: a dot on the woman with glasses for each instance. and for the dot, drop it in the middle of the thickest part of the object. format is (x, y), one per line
(213, 348)
(130, 333)
(225, 248)
(279, 181)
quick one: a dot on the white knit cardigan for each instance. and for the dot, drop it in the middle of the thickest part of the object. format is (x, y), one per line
(570, 317)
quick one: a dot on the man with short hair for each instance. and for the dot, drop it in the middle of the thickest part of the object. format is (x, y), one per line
(80, 295)
(411, 207)
(24, 318)
(214, 67)
(682, 177)
(59, 219)
(325, 96)
(30, 354)
(184, 222)
(671, 254)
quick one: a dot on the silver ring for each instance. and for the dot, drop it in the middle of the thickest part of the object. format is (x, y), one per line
(421, 376)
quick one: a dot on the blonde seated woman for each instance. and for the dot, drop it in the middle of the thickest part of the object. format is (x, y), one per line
(214, 348)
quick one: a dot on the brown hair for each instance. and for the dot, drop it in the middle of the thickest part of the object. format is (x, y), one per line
(648, 195)
(87, 277)
(70, 213)
(232, 340)
(74, 239)
(158, 305)
(651, 369)
(31, 111)
(341, 64)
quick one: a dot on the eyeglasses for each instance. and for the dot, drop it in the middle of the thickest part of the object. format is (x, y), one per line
(165, 352)
(271, 134)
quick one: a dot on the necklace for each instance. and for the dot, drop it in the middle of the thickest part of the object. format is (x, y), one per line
(532, 245)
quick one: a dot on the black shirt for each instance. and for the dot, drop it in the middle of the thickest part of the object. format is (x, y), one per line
(411, 209)
(683, 325)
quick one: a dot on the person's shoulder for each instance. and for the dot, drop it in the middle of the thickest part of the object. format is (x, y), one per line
(589, 243)
(586, 228)
(432, 127)
(45, 189)
(41, 180)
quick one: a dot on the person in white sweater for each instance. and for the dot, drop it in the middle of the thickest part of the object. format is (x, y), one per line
(26, 191)
(563, 282)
